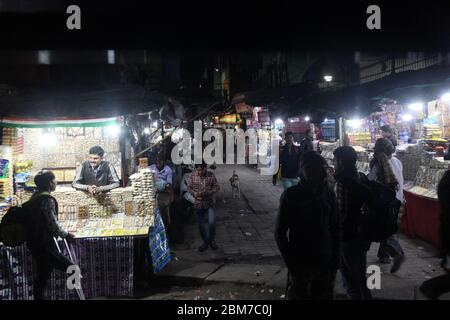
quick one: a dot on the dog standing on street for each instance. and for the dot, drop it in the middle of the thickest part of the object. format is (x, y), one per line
(235, 188)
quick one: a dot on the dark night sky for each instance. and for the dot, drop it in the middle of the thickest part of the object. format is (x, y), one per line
(224, 24)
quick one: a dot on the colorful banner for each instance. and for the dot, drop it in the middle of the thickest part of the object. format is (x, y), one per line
(66, 122)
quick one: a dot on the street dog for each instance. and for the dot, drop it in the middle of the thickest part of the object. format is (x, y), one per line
(235, 188)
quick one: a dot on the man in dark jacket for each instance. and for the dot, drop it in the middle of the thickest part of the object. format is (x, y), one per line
(307, 143)
(289, 162)
(307, 232)
(351, 194)
(96, 175)
(42, 211)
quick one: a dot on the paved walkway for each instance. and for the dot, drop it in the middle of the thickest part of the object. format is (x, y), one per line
(245, 237)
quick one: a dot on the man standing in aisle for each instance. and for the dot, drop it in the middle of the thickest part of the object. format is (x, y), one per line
(164, 190)
(289, 163)
(202, 184)
(96, 175)
(388, 133)
(42, 226)
(388, 170)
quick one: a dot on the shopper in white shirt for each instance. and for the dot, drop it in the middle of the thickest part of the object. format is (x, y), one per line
(388, 170)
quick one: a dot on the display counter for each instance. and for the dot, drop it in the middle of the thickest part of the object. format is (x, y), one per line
(421, 218)
(112, 242)
(107, 265)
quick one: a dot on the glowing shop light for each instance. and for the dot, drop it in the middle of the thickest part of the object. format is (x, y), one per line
(48, 139)
(279, 121)
(446, 97)
(418, 106)
(326, 120)
(307, 118)
(113, 130)
(328, 78)
(407, 117)
(355, 123)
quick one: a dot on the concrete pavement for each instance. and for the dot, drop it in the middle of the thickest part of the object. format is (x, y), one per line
(248, 252)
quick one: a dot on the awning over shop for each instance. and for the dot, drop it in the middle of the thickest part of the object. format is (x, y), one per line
(62, 122)
(89, 102)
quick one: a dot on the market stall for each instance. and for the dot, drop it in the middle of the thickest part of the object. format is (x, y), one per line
(111, 228)
(422, 131)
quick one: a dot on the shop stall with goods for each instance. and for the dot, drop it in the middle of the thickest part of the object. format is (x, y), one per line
(422, 131)
(109, 227)
(328, 130)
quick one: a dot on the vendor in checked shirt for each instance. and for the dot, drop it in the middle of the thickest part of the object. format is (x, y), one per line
(202, 184)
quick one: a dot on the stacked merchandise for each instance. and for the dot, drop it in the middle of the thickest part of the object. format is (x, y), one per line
(431, 132)
(102, 215)
(70, 149)
(6, 179)
(327, 151)
(360, 138)
(363, 160)
(428, 177)
(410, 155)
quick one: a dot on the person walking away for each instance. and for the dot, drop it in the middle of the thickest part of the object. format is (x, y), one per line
(307, 143)
(42, 226)
(289, 163)
(351, 194)
(433, 288)
(307, 233)
(388, 170)
(202, 184)
(388, 133)
(163, 184)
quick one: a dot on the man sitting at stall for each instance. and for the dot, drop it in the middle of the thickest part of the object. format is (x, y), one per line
(96, 175)
(164, 190)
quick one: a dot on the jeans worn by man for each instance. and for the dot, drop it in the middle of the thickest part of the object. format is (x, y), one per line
(202, 184)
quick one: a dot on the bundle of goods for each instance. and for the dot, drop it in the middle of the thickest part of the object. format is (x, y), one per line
(363, 167)
(143, 187)
(428, 177)
(327, 151)
(411, 157)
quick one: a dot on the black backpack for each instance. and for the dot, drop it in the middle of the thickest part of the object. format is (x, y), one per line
(13, 228)
(379, 218)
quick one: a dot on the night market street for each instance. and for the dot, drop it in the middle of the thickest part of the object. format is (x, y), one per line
(247, 264)
(216, 151)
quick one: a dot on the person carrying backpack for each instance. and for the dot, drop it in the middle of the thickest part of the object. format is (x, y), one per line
(41, 224)
(351, 195)
(307, 233)
(388, 170)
